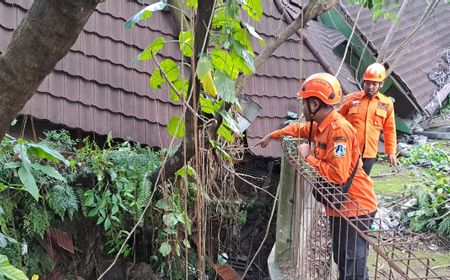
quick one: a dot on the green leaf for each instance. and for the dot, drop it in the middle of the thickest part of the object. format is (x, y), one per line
(93, 212)
(224, 154)
(240, 63)
(186, 170)
(186, 243)
(177, 249)
(170, 69)
(203, 67)
(9, 271)
(392, 17)
(229, 121)
(192, 3)
(206, 105)
(145, 13)
(242, 37)
(225, 133)
(11, 165)
(48, 170)
(44, 152)
(222, 61)
(107, 223)
(176, 127)
(255, 34)
(377, 13)
(182, 86)
(170, 220)
(22, 150)
(186, 43)
(163, 205)
(151, 50)
(29, 182)
(248, 57)
(253, 8)
(165, 249)
(226, 87)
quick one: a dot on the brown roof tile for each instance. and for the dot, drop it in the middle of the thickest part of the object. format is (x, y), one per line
(422, 54)
(95, 87)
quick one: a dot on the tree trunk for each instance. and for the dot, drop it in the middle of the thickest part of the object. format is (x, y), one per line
(44, 36)
(174, 163)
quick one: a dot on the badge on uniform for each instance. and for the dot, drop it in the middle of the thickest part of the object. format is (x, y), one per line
(339, 149)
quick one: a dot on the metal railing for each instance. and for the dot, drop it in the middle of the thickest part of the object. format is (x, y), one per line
(304, 231)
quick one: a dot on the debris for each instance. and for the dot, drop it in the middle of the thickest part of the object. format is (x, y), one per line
(435, 124)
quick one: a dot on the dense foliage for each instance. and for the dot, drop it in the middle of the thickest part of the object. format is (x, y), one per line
(431, 207)
(109, 185)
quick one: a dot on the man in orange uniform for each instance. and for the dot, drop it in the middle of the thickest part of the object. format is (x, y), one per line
(336, 154)
(369, 112)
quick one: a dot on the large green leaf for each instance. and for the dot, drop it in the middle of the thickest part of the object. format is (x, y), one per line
(186, 170)
(192, 3)
(9, 271)
(242, 37)
(222, 61)
(22, 151)
(226, 87)
(28, 182)
(246, 56)
(206, 104)
(182, 86)
(145, 13)
(170, 220)
(165, 249)
(229, 121)
(48, 170)
(253, 8)
(151, 49)
(186, 43)
(170, 69)
(225, 133)
(203, 67)
(44, 152)
(176, 127)
(240, 63)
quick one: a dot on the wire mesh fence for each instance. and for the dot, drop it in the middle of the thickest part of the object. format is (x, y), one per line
(345, 241)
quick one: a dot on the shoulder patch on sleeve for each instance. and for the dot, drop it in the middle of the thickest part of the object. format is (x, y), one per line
(339, 150)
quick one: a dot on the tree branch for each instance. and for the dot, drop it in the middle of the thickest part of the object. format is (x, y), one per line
(312, 10)
(44, 36)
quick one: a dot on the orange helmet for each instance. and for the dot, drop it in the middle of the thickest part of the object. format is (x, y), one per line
(323, 86)
(375, 72)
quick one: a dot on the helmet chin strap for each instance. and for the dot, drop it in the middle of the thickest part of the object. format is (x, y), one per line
(311, 116)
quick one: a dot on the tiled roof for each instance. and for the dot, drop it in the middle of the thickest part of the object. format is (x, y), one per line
(95, 87)
(424, 50)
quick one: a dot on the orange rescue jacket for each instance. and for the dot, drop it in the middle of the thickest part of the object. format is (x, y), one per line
(336, 152)
(369, 116)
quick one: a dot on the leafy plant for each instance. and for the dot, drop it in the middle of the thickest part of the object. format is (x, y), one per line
(7, 271)
(432, 194)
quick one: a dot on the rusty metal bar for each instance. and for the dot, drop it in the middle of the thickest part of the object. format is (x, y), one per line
(393, 251)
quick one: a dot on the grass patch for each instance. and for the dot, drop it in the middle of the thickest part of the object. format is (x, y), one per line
(391, 185)
(439, 262)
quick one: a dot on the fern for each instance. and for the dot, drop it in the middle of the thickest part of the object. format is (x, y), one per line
(444, 227)
(143, 196)
(36, 222)
(62, 199)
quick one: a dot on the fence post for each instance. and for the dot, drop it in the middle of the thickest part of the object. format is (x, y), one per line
(285, 232)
